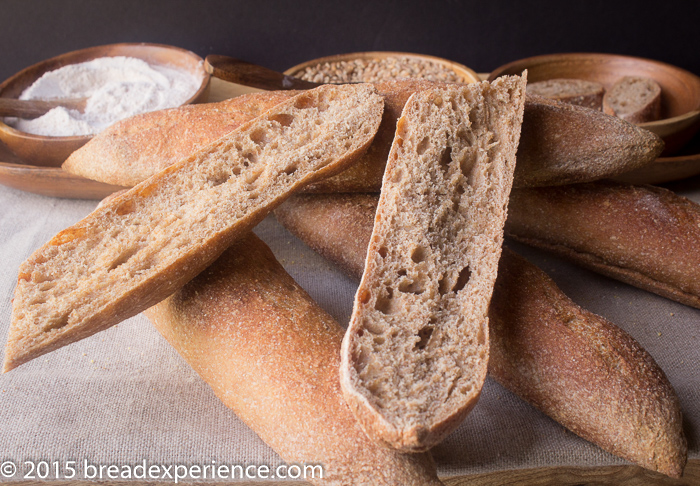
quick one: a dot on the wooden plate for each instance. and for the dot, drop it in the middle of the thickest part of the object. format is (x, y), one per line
(48, 181)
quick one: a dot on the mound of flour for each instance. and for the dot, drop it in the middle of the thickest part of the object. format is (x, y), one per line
(116, 88)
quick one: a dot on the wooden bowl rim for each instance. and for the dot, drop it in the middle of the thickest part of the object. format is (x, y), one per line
(693, 80)
(465, 72)
(206, 77)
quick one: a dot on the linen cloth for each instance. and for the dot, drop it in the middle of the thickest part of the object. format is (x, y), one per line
(124, 395)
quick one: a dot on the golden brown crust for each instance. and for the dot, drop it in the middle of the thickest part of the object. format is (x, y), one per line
(536, 334)
(271, 354)
(642, 235)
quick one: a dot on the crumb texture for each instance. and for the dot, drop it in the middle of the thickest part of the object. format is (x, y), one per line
(635, 99)
(416, 350)
(143, 245)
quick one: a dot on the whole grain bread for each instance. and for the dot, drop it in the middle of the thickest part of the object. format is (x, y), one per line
(560, 143)
(143, 245)
(636, 99)
(645, 236)
(271, 354)
(588, 94)
(132, 150)
(415, 354)
(576, 367)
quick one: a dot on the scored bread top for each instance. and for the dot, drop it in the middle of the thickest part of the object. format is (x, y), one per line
(143, 245)
(416, 350)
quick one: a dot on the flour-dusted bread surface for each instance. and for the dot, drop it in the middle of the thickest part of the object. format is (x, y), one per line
(271, 354)
(132, 150)
(634, 98)
(575, 366)
(416, 350)
(143, 245)
(581, 92)
(643, 235)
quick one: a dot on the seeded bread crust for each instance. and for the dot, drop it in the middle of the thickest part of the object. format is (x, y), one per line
(560, 143)
(635, 99)
(645, 236)
(576, 367)
(271, 354)
(415, 354)
(143, 245)
(588, 94)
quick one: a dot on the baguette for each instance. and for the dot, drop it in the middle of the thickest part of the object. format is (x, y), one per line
(588, 94)
(536, 334)
(132, 150)
(645, 236)
(271, 354)
(406, 370)
(560, 143)
(143, 245)
(634, 98)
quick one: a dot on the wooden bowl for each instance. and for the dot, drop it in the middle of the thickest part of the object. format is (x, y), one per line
(465, 74)
(52, 151)
(680, 89)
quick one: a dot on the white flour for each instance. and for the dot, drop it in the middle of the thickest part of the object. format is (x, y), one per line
(116, 88)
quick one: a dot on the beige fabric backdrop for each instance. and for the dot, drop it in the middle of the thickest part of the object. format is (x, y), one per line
(124, 395)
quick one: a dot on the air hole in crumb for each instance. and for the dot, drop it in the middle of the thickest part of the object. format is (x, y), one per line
(249, 158)
(284, 119)
(382, 251)
(463, 279)
(419, 253)
(424, 337)
(384, 304)
(411, 287)
(235, 170)
(396, 176)
(259, 136)
(446, 158)
(363, 296)
(122, 259)
(466, 165)
(402, 273)
(253, 176)
(443, 285)
(218, 179)
(57, 323)
(304, 102)
(379, 340)
(291, 169)
(126, 207)
(422, 146)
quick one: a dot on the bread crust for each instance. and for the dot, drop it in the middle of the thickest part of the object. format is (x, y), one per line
(645, 236)
(271, 354)
(433, 254)
(588, 94)
(576, 367)
(143, 245)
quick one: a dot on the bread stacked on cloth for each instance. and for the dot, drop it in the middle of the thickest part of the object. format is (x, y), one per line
(416, 352)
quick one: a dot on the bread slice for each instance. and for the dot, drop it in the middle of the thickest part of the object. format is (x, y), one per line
(645, 236)
(588, 94)
(271, 354)
(145, 244)
(415, 353)
(132, 150)
(560, 143)
(635, 99)
(543, 347)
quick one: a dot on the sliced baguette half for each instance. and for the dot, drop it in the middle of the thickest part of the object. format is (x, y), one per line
(415, 354)
(634, 98)
(576, 367)
(143, 245)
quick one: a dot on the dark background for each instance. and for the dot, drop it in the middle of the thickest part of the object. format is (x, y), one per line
(481, 34)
